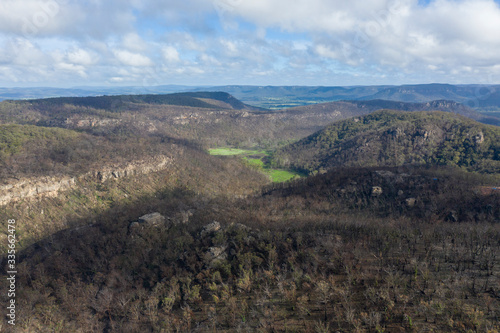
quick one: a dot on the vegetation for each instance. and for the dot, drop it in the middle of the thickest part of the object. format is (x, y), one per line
(14, 137)
(259, 160)
(114, 103)
(233, 151)
(297, 258)
(397, 138)
(391, 232)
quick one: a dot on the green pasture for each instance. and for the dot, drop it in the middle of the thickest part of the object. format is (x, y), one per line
(255, 158)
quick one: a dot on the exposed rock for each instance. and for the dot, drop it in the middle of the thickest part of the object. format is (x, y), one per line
(210, 228)
(376, 191)
(410, 202)
(50, 186)
(146, 221)
(215, 254)
(239, 226)
(29, 188)
(79, 122)
(185, 215)
(479, 138)
(152, 219)
(157, 163)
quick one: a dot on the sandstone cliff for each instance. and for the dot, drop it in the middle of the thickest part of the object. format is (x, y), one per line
(50, 186)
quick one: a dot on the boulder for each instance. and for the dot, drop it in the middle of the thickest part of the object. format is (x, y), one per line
(210, 228)
(410, 202)
(215, 254)
(376, 191)
(152, 219)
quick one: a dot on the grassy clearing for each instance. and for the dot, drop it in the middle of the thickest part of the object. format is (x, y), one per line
(279, 176)
(234, 151)
(226, 151)
(256, 162)
(255, 158)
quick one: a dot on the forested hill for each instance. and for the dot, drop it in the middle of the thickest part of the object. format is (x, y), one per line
(397, 138)
(219, 100)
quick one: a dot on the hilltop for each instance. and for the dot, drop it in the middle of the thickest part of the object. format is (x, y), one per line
(397, 138)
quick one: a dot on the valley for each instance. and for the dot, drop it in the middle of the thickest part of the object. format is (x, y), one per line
(198, 212)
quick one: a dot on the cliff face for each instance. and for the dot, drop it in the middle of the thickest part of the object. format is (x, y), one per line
(50, 186)
(29, 188)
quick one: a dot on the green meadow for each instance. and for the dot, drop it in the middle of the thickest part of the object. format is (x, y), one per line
(256, 159)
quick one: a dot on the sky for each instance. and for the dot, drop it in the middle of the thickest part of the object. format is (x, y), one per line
(68, 43)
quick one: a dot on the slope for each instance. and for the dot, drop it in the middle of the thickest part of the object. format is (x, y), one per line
(199, 100)
(397, 138)
(316, 254)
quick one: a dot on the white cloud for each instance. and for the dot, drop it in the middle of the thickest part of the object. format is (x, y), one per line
(170, 54)
(133, 42)
(81, 57)
(132, 59)
(314, 40)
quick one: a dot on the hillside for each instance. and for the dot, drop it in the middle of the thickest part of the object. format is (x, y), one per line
(126, 223)
(210, 119)
(320, 254)
(397, 138)
(115, 103)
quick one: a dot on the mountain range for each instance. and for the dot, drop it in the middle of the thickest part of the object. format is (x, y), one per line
(481, 97)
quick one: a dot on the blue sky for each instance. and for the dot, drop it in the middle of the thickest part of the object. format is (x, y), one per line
(66, 43)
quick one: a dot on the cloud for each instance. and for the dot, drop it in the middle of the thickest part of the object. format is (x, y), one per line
(132, 59)
(328, 42)
(170, 54)
(134, 43)
(81, 57)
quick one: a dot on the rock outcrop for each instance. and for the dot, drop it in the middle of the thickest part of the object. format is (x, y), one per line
(215, 254)
(147, 221)
(152, 219)
(210, 228)
(51, 186)
(376, 191)
(39, 187)
(135, 168)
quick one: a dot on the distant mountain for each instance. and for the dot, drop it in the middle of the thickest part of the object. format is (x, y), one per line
(48, 92)
(475, 96)
(391, 138)
(423, 93)
(479, 97)
(111, 103)
(357, 108)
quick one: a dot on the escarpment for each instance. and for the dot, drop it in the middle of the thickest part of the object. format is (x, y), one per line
(46, 186)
